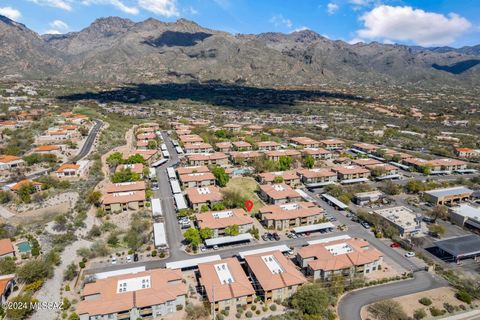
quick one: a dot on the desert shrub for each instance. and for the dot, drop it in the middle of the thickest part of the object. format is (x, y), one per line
(425, 301)
(248, 314)
(273, 307)
(463, 296)
(419, 314)
(435, 312)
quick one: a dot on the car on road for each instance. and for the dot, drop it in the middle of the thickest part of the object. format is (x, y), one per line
(365, 225)
(395, 245)
(355, 219)
(154, 186)
(410, 254)
(203, 248)
(114, 260)
(276, 237)
(264, 237)
(215, 247)
(129, 259)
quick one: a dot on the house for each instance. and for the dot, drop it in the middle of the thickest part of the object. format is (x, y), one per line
(15, 187)
(242, 145)
(11, 162)
(48, 149)
(255, 128)
(147, 136)
(197, 147)
(317, 153)
(243, 156)
(183, 132)
(363, 162)
(208, 159)
(275, 276)
(345, 257)
(124, 187)
(317, 177)
(135, 168)
(147, 155)
(72, 170)
(289, 177)
(218, 221)
(198, 179)
(225, 284)
(467, 153)
(366, 147)
(403, 219)
(351, 173)
(6, 248)
(447, 165)
(332, 144)
(392, 154)
(383, 171)
(416, 163)
(232, 127)
(147, 294)
(305, 142)
(278, 193)
(268, 145)
(224, 146)
(7, 283)
(290, 215)
(191, 138)
(199, 197)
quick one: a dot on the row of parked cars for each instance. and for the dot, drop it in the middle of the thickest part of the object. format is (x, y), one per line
(270, 236)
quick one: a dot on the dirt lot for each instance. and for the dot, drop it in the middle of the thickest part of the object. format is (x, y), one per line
(410, 303)
(246, 186)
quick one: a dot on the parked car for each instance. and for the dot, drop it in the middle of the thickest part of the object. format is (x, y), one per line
(270, 236)
(395, 245)
(129, 259)
(215, 247)
(264, 237)
(203, 248)
(276, 236)
(114, 260)
(410, 254)
(365, 225)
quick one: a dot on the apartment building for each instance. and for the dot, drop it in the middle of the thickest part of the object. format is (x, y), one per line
(345, 257)
(278, 193)
(208, 159)
(305, 142)
(135, 168)
(317, 177)
(225, 284)
(363, 162)
(290, 215)
(124, 196)
(197, 180)
(317, 153)
(191, 138)
(383, 171)
(218, 221)
(242, 145)
(192, 169)
(199, 197)
(245, 156)
(366, 147)
(275, 155)
(232, 127)
(351, 173)
(197, 147)
(144, 295)
(268, 145)
(224, 146)
(332, 144)
(289, 177)
(277, 277)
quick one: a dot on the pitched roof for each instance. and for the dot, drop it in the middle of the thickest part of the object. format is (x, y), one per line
(68, 166)
(124, 197)
(6, 247)
(290, 211)
(286, 175)
(192, 169)
(274, 271)
(279, 191)
(124, 187)
(223, 219)
(204, 194)
(7, 159)
(224, 279)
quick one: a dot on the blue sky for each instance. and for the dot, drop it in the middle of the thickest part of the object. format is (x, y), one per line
(420, 22)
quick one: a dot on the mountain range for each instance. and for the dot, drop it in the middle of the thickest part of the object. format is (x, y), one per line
(119, 50)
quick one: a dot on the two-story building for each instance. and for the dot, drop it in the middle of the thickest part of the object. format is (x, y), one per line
(290, 215)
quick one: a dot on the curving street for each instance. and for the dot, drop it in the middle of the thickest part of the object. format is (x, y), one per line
(87, 146)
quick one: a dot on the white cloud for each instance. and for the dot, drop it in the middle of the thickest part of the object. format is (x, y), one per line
(190, 10)
(60, 4)
(167, 8)
(10, 13)
(415, 25)
(59, 25)
(115, 3)
(302, 28)
(279, 20)
(52, 31)
(332, 8)
(356, 40)
(362, 3)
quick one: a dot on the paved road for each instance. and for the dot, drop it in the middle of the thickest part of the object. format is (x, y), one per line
(87, 146)
(350, 305)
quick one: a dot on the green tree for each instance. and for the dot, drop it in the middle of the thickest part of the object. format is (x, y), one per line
(206, 233)
(311, 300)
(278, 179)
(94, 197)
(387, 310)
(22, 312)
(26, 191)
(390, 188)
(233, 199)
(437, 229)
(70, 272)
(204, 208)
(218, 206)
(438, 212)
(232, 230)
(114, 159)
(136, 158)
(7, 265)
(5, 197)
(34, 270)
(284, 163)
(309, 161)
(152, 144)
(221, 177)
(125, 176)
(192, 236)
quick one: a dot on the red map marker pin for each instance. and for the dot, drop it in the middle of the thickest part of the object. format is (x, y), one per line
(249, 205)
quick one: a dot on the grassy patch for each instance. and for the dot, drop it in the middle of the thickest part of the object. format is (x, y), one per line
(247, 187)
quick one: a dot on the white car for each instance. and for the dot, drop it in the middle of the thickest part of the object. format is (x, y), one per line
(410, 254)
(114, 260)
(129, 259)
